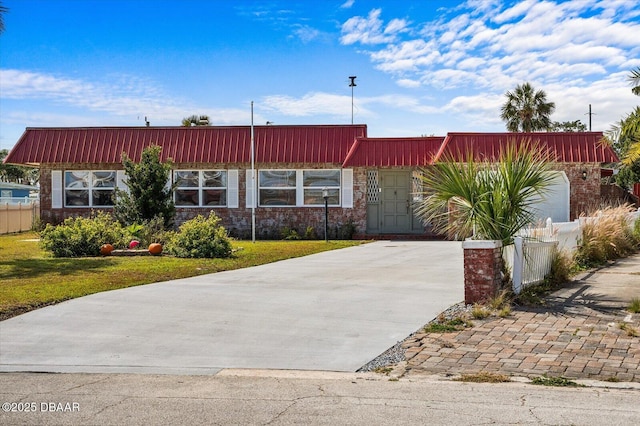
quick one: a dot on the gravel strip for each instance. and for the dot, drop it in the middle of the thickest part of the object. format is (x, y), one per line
(395, 354)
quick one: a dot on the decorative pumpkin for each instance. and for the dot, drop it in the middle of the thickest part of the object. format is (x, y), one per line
(155, 249)
(133, 244)
(106, 249)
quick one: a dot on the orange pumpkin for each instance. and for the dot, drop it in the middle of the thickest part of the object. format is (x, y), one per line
(155, 249)
(106, 249)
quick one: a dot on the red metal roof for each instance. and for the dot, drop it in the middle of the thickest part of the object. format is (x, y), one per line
(397, 152)
(210, 144)
(334, 144)
(568, 147)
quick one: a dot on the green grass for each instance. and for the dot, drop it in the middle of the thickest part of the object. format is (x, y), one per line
(483, 377)
(634, 306)
(554, 381)
(449, 326)
(31, 278)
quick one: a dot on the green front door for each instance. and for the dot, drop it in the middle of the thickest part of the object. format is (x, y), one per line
(395, 201)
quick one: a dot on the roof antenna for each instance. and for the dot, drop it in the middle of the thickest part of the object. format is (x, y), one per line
(352, 84)
(590, 114)
(146, 122)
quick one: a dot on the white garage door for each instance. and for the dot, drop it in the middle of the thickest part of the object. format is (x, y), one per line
(555, 202)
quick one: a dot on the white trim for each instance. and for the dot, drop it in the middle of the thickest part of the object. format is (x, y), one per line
(200, 188)
(250, 190)
(299, 188)
(121, 179)
(56, 189)
(232, 189)
(481, 244)
(347, 188)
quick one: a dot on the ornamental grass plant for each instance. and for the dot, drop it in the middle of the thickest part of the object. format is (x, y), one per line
(607, 234)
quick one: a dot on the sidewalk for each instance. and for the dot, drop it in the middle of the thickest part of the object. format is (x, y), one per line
(582, 332)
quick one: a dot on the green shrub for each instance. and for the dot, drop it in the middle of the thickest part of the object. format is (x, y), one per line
(150, 231)
(81, 236)
(200, 237)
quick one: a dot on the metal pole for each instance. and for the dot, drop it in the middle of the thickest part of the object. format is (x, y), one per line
(253, 183)
(326, 219)
(589, 117)
(352, 84)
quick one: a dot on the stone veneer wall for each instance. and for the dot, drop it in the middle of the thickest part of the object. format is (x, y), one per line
(584, 193)
(269, 220)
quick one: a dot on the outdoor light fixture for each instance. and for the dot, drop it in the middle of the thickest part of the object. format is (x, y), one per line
(325, 195)
(584, 175)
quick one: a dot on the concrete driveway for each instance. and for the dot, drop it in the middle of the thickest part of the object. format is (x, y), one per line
(329, 311)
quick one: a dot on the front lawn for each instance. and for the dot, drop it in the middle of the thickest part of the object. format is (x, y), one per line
(30, 278)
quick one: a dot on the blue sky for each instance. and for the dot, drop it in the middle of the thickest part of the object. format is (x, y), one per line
(422, 67)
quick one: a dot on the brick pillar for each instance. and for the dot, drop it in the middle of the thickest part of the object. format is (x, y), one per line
(482, 270)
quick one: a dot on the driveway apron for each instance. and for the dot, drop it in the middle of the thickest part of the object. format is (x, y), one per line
(329, 311)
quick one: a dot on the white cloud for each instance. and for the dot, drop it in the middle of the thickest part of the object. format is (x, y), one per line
(489, 47)
(347, 4)
(369, 30)
(117, 100)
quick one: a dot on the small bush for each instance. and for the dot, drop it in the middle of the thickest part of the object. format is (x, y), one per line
(80, 236)
(634, 306)
(290, 234)
(561, 268)
(201, 238)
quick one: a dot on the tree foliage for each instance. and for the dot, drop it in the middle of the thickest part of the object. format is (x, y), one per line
(195, 120)
(634, 78)
(3, 10)
(18, 174)
(624, 136)
(527, 110)
(486, 200)
(149, 195)
(568, 126)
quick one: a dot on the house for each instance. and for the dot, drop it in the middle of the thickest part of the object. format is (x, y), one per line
(11, 192)
(371, 182)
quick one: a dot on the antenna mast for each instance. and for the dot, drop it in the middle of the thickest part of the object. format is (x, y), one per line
(352, 84)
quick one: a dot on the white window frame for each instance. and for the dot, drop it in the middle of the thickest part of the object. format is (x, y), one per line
(293, 189)
(300, 188)
(201, 188)
(332, 188)
(90, 188)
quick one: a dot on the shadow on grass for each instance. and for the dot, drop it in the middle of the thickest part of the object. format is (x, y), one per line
(35, 268)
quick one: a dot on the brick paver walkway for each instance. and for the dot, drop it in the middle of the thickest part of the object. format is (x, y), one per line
(584, 345)
(574, 336)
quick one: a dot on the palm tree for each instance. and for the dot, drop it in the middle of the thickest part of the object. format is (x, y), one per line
(486, 200)
(195, 120)
(527, 110)
(625, 138)
(635, 81)
(3, 10)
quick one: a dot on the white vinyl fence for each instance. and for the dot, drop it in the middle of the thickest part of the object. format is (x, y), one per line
(531, 255)
(18, 217)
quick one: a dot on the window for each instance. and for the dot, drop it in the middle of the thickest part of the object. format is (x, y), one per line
(200, 188)
(277, 187)
(314, 181)
(298, 187)
(89, 188)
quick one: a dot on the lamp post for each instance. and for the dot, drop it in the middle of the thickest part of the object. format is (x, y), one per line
(325, 195)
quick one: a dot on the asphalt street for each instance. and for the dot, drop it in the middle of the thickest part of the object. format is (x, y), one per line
(251, 397)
